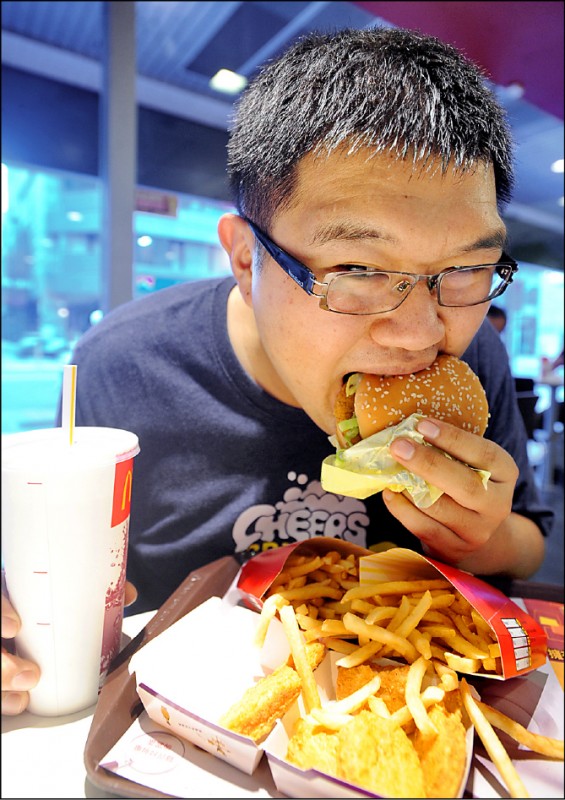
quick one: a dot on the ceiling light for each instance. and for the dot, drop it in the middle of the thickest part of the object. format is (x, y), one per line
(557, 166)
(228, 82)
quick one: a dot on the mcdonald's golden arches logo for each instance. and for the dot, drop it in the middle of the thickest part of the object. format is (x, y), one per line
(122, 491)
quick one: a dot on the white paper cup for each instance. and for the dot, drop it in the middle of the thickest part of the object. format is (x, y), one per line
(65, 524)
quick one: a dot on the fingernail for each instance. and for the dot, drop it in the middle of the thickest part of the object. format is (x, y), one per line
(24, 681)
(13, 703)
(428, 429)
(9, 627)
(402, 448)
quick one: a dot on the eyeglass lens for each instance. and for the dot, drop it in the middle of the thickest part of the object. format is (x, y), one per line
(370, 293)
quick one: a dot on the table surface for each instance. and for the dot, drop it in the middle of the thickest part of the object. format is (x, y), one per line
(552, 379)
(44, 756)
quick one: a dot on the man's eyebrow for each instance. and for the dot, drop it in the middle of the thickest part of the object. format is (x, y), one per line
(496, 239)
(348, 231)
(351, 231)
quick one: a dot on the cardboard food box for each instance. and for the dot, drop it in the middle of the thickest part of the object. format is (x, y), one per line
(190, 674)
(523, 642)
(295, 782)
(181, 680)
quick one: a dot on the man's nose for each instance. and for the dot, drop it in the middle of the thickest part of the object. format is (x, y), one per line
(414, 325)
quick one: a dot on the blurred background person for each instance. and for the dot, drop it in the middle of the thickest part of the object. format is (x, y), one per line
(497, 317)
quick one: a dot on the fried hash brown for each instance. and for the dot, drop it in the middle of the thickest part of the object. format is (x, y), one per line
(369, 751)
(376, 754)
(312, 747)
(443, 757)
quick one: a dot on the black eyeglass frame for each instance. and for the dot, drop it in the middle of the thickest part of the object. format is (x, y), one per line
(506, 268)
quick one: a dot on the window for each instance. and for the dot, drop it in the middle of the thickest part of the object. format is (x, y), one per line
(534, 329)
(52, 267)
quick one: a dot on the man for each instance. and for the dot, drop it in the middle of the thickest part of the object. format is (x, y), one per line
(363, 151)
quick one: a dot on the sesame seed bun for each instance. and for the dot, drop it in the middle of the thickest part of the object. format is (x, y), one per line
(448, 390)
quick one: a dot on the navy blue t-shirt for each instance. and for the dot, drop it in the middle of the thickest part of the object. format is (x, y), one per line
(224, 467)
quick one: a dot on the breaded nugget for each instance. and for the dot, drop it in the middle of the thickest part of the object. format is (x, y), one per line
(393, 682)
(443, 757)
(453, 703)
(393, 686)
(256, 713)
(349, 679)
(311, 747)
(376, 754)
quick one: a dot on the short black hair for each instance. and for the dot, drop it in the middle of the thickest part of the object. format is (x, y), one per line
(386, 89)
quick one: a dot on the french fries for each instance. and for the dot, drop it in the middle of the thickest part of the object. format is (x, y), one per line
(413, 697)
(407, 619)
(544, 745)
(428, 625)
(297, 648)
(493, 745)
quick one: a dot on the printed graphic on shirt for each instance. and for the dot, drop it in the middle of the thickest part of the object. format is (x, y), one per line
(305, 511)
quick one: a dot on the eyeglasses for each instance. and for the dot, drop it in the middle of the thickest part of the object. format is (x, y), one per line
(373, 291)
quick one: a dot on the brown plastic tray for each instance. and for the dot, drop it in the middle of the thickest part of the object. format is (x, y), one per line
(118, 703)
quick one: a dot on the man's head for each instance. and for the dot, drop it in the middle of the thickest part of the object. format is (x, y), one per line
(383, 89)
(378, 154)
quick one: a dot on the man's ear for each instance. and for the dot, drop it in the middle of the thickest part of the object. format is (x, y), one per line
(238, 241)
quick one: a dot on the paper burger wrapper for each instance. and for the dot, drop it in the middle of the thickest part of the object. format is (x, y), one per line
(368, 467)
(523, 642)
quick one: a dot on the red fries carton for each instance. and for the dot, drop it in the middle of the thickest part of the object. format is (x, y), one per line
(523, 642)
(258, 574)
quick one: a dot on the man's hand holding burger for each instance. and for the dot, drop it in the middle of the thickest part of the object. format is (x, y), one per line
(467, 524)
(471, 524)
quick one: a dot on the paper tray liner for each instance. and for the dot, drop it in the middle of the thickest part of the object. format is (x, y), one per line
(523, 642)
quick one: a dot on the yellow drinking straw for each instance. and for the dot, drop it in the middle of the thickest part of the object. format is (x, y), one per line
(69, 401)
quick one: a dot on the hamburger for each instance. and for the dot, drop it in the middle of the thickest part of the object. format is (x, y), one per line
(373, 410)
(448, 390)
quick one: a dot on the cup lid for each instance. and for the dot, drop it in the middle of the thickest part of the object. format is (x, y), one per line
(50, 447)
